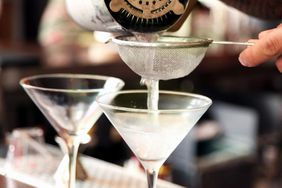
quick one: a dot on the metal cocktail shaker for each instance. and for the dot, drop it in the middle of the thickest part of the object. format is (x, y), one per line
(119, 16)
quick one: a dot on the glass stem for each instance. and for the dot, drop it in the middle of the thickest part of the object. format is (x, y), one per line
(73, 146)
(152, 176)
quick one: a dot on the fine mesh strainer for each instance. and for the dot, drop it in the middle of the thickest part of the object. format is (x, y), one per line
(168, 58)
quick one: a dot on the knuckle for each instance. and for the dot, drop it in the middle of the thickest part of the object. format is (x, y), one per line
(261, 35)
(272, 47)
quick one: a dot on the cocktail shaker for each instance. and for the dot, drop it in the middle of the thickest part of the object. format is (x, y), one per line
(119, 16)
(93, 15)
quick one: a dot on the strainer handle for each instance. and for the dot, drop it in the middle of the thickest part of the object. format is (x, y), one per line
(234, 43)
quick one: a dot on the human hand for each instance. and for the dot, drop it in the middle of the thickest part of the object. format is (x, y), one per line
(267, 47)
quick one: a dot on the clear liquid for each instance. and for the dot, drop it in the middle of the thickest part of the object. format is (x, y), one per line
(153, 93)
(153, 139)
(151, 84)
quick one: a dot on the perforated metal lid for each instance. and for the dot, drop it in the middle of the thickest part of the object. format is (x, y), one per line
(146, 15)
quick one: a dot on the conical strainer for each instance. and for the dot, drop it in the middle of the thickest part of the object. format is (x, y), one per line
(168, 58)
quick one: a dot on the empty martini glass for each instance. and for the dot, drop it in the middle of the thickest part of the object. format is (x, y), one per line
(68, 102)
(152, 135)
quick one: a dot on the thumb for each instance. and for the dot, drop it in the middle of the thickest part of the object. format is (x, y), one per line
(263, 50)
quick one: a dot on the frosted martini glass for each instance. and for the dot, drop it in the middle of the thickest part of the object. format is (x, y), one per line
(68, 102)
(152, 135)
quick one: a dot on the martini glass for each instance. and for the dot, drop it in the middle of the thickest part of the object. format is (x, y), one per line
(152, 135)
(68, 102)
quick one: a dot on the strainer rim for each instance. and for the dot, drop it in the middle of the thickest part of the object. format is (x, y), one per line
(201, 42)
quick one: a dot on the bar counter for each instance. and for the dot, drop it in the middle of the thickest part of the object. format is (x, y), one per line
(49, 172)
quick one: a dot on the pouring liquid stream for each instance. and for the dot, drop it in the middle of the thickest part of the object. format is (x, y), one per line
(151, 84)
(153, 93)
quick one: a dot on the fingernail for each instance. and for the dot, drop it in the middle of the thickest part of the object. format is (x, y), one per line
(242, 61)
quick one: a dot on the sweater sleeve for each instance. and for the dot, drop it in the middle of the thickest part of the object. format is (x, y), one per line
(265, 9)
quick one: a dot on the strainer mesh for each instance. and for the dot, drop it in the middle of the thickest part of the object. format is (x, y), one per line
(168, 58)
(162, 63)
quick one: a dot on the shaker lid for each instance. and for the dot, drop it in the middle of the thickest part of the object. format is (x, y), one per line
(146, 15)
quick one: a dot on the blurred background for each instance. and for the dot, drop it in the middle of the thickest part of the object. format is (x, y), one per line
(236, 144)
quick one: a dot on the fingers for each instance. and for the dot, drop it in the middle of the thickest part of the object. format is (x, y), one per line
(268, 47)
(265, 33)
(279, 26)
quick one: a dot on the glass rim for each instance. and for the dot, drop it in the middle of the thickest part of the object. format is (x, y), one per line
(66, 75)
(142, 110)
(180, 43)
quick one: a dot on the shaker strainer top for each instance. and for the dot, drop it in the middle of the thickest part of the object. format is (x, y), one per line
(167, 58)
(146, 15)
